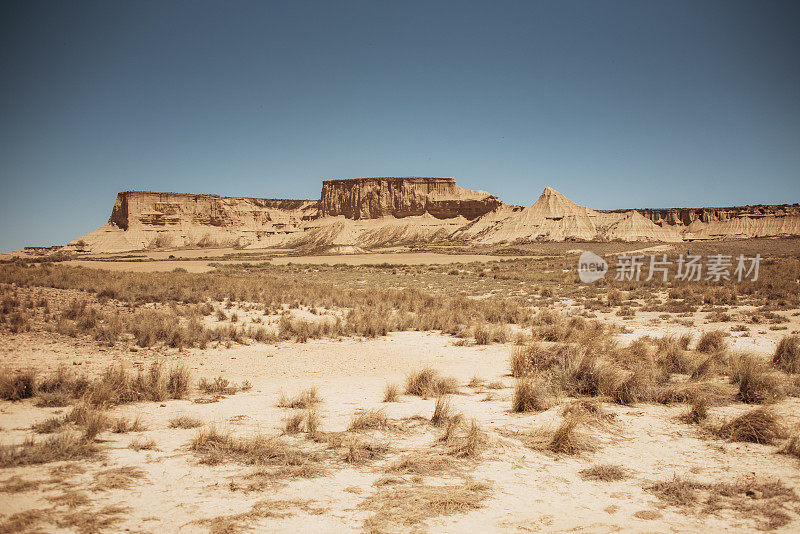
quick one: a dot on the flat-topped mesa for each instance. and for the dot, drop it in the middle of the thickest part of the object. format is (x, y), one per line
(135, 208)
(373, 198)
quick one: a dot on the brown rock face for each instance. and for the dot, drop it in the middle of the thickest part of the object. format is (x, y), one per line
(687, 216)
(372, 198)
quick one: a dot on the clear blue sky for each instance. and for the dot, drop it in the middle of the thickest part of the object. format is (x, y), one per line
(615, 104)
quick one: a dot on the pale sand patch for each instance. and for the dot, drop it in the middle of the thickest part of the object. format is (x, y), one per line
(532, 490)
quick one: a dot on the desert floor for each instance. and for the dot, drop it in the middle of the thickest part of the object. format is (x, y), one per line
(633, 466)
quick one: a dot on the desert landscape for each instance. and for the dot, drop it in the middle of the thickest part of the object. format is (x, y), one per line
(399, 267)
(356, 384)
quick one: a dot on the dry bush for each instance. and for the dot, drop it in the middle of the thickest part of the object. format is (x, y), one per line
(712, 342)
(117, 478)
(100, 520)
(391, 393)
(369, 420)
(756, 383)
(428, 382)
(604, 473)
(60, 447)
(294, 423)
(792, 445)
(423, 463)
(565, 439)
(92, 420)
(787, 354)
(759, 425)
(463, 442)
(762, 501)
(358, 451)
(712, 392)
(117, 386)
(685, 340)
(303, 400)
(590, 410)
(529, 396)
(218, 386)
(141, 443)
(242, 522)
(406, 506)
(179, 382)
(442, 412)
(214, 447)
(56, 399)
(185, 422)
(17, 386)
(123, 425)
(698, 411)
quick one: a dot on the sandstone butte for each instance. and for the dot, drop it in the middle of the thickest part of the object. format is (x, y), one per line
(371, 212)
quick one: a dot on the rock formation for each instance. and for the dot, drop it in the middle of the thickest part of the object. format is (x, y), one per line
(373, 198)
(370, 212)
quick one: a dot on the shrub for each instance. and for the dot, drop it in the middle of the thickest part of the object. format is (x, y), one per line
(712, 341)
(185, 421)
(565, 439)
(303, 400)
(428, 382)
(756, 383)
(442, 412)
(787, 354)
(391, 393)
(369, 420)
(529, 396)
(604, 473)
(757, 426)
(17, 386)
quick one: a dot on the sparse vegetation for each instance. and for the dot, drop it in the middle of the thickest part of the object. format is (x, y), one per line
(428, 382)
(759, 425)
(787, 354)
(604, 473)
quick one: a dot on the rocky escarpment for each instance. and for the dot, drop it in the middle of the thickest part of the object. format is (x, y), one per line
(686, 216)
(372, 212)
(373, 198)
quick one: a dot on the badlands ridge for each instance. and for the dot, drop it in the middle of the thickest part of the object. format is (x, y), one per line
(372, 212)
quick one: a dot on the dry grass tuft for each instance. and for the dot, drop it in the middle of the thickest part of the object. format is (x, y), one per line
(712, 342)
(358, 451)
(428, 382)
(60, 447)
(442, 412)
(604, 473)
(423, 463)
(142, 444)
(214, 447)
(787, 354)
(405, 506)
(117, 478)
(391, 393)
(17, 386)
(759, 425)
(464, 442)
(122, 425)
(304, 400)
(566, 440)
(185, 422)
(792, 445)
(757, 384)
(529, 396)
(369, 420)
(762, 501)
(267, 509)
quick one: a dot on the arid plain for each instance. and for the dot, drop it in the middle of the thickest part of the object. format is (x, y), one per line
(407, 390)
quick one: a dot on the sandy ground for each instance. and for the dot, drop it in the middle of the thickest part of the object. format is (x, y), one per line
(202, 266)
(531, 490)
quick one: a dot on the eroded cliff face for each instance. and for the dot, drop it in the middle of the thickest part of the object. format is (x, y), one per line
(686, 216)
(373, 212)
(373, 198)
